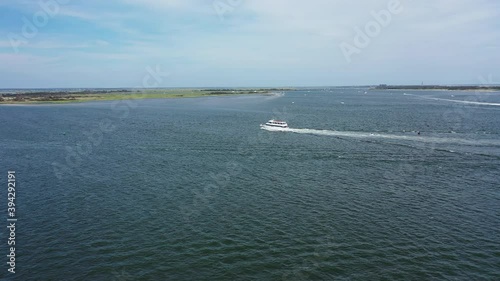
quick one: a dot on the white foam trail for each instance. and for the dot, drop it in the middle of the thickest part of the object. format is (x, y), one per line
(457, 101)
(374, 136)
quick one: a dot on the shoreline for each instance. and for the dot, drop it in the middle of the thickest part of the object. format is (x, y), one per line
(53, 98)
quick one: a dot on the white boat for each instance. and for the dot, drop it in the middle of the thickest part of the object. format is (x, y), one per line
(274, 125)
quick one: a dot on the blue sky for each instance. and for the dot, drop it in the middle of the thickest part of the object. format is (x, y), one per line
(94, 43)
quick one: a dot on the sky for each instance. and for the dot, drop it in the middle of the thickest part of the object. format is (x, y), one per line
(247, 43)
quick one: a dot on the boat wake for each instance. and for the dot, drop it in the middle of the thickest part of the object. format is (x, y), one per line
(457, 101)
(384, 136)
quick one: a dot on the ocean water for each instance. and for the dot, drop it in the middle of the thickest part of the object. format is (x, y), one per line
(193, 189)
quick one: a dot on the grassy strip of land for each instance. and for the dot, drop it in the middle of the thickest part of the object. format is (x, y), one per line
(109, 95)
(437, 87)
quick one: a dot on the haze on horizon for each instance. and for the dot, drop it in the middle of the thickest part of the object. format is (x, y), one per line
(238, 43)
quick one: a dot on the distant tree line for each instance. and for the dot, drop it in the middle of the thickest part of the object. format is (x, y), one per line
(61, 93)
(243, 90)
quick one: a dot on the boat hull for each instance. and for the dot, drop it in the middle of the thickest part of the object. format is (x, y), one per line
(273, 128)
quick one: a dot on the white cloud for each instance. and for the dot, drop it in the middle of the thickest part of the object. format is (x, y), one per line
(264, 38)
(19, 62)
(57, 44)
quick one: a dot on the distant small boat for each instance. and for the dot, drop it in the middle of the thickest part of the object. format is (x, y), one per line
(274, 124)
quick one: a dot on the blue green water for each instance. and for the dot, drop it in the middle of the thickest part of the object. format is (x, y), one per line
(192, 189)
